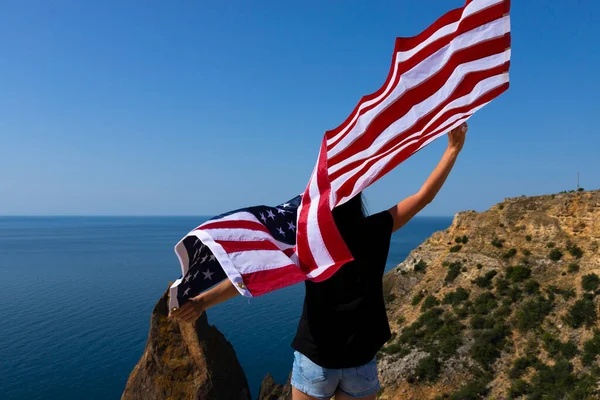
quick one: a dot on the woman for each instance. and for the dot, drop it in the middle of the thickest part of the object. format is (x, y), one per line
(344, 323)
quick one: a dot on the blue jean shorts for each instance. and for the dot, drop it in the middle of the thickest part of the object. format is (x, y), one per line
(322, 383)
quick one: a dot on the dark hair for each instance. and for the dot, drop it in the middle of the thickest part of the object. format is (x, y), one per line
(348, 214)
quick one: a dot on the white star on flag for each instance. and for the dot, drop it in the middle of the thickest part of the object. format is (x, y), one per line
(207, 274)
(204, 258)
(187, 278)
(186, 291)
(262, 216)
(285, 205)
(212, 257)
(270, 214)
(281, 211)
(291, 226)
(281, 231)
(196, 274)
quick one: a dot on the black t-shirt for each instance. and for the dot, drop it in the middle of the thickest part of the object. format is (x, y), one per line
(344, 323)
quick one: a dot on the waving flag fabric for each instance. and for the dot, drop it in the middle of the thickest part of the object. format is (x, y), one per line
(437, 81)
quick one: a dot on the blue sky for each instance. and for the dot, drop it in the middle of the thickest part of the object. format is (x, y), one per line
(196, 107)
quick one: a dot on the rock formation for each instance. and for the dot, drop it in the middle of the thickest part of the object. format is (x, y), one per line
(185, 361)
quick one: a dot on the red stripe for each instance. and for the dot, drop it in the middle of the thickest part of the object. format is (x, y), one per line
(416, 95)
(331, 236)
(402, 44)
(262, 282)
(237, 224)
(464, 87)
(235, 246)
(471, 22)
(306, 260)
(347, 188)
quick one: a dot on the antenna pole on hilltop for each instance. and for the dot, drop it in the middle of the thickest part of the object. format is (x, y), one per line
(577, 180)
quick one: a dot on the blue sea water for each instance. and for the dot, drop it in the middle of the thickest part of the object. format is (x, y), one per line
(76, 295)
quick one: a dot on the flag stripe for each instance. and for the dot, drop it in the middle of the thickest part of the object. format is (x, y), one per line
(405, 61)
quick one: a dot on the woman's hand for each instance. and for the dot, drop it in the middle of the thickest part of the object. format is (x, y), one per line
(190, 311)
(456, 138)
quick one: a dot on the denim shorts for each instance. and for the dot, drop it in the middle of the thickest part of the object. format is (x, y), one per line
(322, 383)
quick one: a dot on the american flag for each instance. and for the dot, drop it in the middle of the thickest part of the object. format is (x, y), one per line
(437, 80)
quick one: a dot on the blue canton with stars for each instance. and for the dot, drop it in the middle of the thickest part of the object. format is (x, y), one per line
(205, 271)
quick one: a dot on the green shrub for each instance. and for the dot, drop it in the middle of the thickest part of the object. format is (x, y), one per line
(590, 282)
(532, 313)
(591, 349)
(456, 297)
(509, 254)
(582, 313)
(489, 344)
(555, 255)
(479, 266)
(532, 287)
(453, 271)
(420, 266)
(417, 299)
(428, 369)
(473, 390)
(521, 365)
(478, 322)
(390, 297)
(575, 251)
(401, 320)
(502, 286)
(462, 239)
(559, 382)
(396, 349)
(499, 243)
(501, 206)
(556, 348)
(486, 280)
(462, 312)
(526, 252)
(518, 273)
(573, 268)
(551, 245)
(430, 302)
(528, 238)
(485, 303)
(455, 249)
(518, 389)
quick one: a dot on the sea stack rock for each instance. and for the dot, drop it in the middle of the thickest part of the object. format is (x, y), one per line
(186, 361)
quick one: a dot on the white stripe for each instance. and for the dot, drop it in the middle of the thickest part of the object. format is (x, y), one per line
(173, 302)
(249, 261)
(314, 237)
(401, 57)
(423, 109)
(245, 235)
(374, 170)
(420, 73)
(242, 234)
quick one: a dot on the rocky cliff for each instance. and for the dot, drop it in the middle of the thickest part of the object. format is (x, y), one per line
(503, 304)
(185, 361)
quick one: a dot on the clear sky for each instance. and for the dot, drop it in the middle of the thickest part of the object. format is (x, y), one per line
(199, 107)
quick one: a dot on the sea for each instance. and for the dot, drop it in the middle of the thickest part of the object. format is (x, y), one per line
(76, 294)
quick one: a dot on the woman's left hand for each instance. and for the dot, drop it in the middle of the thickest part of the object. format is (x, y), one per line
(190, 311)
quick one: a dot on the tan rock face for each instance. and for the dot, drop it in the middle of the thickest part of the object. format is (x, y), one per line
(533, 227)
(184, 361)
